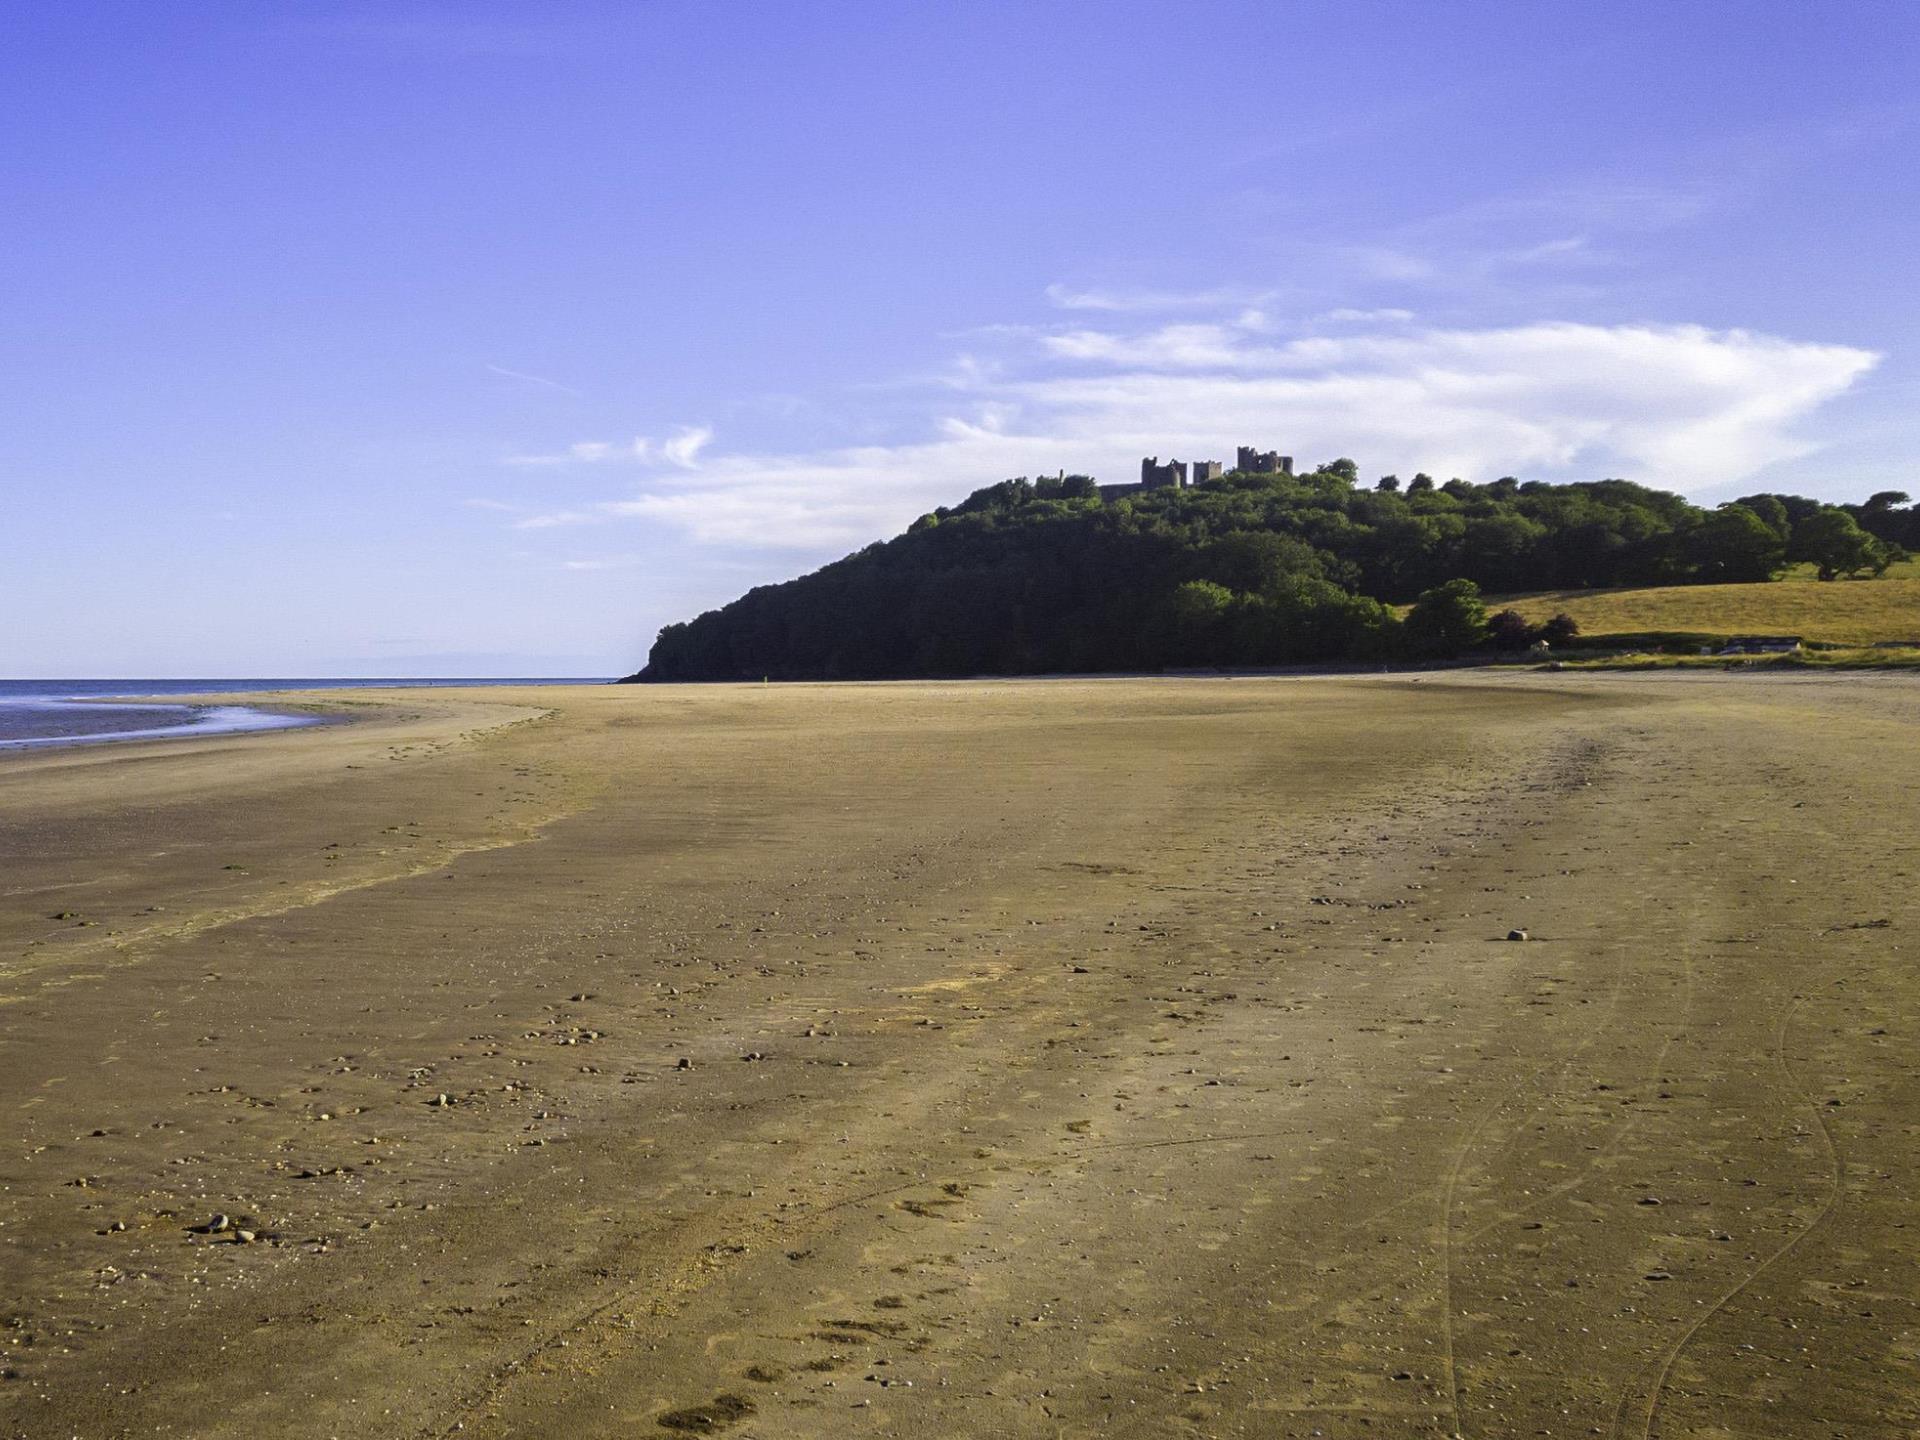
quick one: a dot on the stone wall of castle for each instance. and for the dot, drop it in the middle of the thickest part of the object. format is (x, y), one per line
(1155, 476)
(1263, 462)
(1181, 474)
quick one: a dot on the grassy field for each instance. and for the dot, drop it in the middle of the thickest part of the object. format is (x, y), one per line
(1861, 659)
(1846, 612)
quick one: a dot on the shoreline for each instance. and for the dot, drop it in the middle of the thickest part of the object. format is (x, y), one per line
(201, 721)
(204, 707)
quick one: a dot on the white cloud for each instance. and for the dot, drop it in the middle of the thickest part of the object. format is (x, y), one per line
(1676, 406)
(1179, 346)
(1389, 315)
(1136, 301)
(588, 452)
(531, 379)
(682, 450)
(1567, 248)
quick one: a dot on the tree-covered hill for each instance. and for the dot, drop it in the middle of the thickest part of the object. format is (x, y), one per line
(1048, 576)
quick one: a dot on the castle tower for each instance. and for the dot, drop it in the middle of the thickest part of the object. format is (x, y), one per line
(1263, 462)
(1155, 476)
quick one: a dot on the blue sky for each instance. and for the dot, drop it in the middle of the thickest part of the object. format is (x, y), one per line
(485, 338)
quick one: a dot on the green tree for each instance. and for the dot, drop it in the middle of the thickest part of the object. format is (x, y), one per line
(1030, 576)
(1253, 562)
(1770, 509)
(1199, 611)
(1735, 545)
(1509, 630)
(1446, 620)
(1560, 629)
(1836, 545)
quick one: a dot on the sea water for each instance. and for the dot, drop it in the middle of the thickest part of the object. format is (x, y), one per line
(39, 713)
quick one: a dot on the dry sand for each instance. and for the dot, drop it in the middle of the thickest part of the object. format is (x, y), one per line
(1125, 1058)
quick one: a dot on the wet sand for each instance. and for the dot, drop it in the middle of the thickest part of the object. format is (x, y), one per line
(1113, 1058)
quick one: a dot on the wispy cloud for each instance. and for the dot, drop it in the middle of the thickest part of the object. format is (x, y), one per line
(1522, 254)
(682, 449)
(1175, 346)
(1600, 203)
(540, 380)
(555, 519)
(586, 452)
(1680, 406)
(1390, 315)
(1140, 301)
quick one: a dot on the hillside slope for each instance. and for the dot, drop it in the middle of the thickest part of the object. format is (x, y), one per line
(1062, 576)
(1846, 612)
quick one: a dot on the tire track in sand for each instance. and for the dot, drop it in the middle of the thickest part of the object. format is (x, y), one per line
(1663, 1371)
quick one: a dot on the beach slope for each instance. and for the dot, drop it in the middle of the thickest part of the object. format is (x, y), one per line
(1022, 1059)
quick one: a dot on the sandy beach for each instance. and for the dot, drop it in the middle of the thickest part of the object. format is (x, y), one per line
(1131, 1058)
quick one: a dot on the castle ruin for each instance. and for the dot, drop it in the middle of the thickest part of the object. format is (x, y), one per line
(1263, 462)
(1155, 476)
(1182, 475)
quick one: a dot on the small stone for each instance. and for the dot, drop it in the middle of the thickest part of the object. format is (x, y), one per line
(683, 1063)
(244, 1237)
(217, 1224)
(1518, 935)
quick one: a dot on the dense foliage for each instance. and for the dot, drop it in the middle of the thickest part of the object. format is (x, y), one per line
(1035, 577)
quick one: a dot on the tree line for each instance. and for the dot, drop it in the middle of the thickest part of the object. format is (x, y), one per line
(1045, 576)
